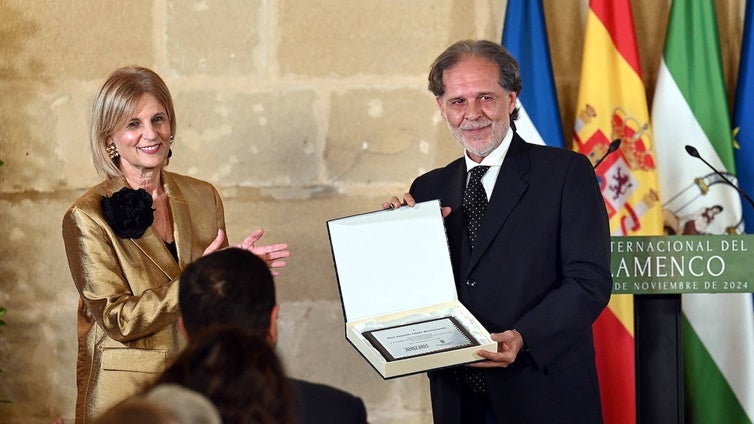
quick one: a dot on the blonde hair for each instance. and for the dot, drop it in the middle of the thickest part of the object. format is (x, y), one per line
(114, 104)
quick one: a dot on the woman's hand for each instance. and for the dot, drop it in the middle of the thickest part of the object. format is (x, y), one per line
(216, 243)
(270, 254)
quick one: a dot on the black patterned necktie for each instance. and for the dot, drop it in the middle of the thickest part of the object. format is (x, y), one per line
(471, 378)
(475, 201)
(474, 204)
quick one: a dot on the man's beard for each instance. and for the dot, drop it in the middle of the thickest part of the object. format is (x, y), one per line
(491, 143)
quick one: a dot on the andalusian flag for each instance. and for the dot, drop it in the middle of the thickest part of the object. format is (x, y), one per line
(690, 108)
(612, 106)
(525, 37)
(743, 117)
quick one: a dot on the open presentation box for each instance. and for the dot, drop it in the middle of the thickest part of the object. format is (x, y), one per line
(396, 281)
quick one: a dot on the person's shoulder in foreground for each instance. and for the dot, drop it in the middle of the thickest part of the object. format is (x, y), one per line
(188, 406)
(320, 403)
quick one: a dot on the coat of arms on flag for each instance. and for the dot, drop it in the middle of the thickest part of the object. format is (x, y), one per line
(626, 198)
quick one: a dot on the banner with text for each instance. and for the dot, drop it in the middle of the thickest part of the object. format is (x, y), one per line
(682, 264)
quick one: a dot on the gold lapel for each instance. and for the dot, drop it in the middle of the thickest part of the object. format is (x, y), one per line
(179, 209)
(153, 247)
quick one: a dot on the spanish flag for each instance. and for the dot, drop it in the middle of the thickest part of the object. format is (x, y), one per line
(612, 106)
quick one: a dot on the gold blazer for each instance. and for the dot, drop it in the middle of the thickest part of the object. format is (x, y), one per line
(128, 304)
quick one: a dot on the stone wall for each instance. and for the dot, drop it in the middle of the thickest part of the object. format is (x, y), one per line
(297, 111)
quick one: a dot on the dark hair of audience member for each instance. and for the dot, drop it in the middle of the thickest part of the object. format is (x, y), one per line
(231, 273)
(239, 372)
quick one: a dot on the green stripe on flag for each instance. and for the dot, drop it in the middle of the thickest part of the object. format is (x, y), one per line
(697, 73)
(691, 108)
(716, 403)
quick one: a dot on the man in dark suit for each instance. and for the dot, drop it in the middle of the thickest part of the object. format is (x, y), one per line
(234, 287)
(530, 254)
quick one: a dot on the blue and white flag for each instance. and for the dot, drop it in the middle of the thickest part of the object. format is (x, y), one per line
(525, 37)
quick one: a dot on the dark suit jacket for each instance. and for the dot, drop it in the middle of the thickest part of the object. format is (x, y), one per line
(541, 266)
(318, 403)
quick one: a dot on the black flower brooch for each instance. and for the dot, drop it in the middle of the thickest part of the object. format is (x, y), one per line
(129, 212)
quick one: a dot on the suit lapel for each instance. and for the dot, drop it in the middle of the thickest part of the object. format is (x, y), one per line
(509, 188)
(455, 223)
(153, 247)
(181, 220)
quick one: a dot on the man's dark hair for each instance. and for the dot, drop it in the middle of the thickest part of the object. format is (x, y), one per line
(228, 287)
(509, 72)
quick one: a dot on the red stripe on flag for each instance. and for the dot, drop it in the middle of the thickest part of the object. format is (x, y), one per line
(615, 368)
(614, 15)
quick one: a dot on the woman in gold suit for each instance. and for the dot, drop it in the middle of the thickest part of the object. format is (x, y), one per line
(128, 239)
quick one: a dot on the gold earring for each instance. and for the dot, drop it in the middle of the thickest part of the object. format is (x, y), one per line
(112, 151)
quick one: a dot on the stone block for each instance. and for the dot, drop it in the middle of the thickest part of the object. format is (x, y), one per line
(333, 38)
(310, 274)
(38, 344)
(29, 147)
(384, 136)
(215, 38)
(69, 113)
(46, 41)
(232, 137)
